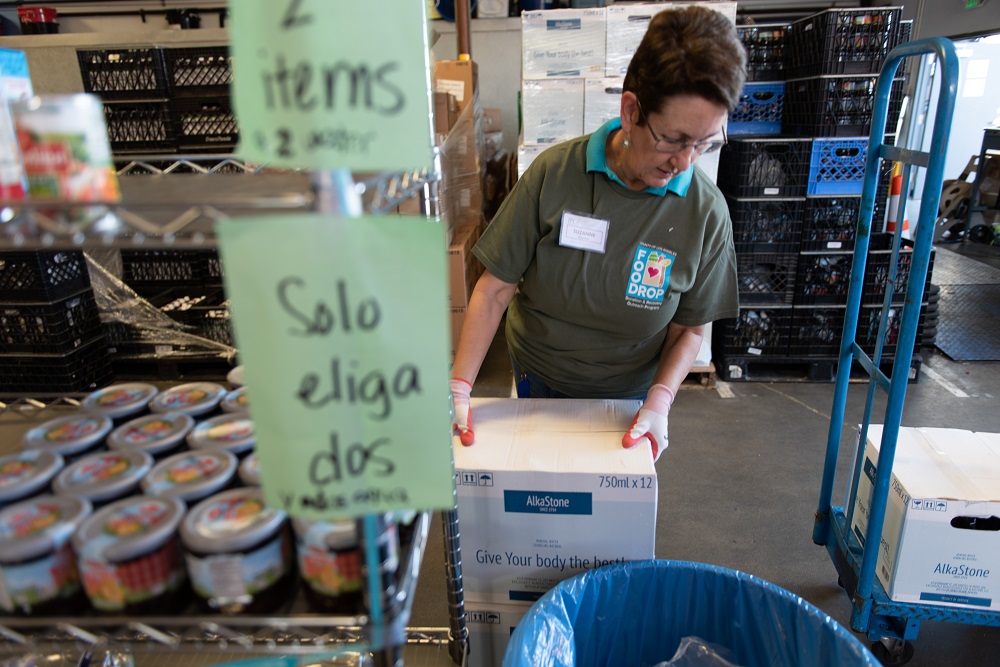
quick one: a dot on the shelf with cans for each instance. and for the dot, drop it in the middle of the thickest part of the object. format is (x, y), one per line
(792, 174)
(56, 293)
(163, 100)
(136, 522)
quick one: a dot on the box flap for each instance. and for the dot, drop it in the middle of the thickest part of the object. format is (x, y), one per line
(555, 435)
(952, 464)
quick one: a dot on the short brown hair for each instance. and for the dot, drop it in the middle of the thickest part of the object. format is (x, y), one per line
(689, 51)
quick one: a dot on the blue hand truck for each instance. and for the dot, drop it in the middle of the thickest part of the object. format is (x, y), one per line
(890, 625)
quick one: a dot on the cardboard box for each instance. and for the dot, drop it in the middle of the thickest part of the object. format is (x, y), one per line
(458, 77)
(445, 112)
(945, 483)
(548, 492)
(490, 627)
(492, 120)
(627, 24)
(561, 43)
(526, 155)
(602, 99)
(552, 111)
(464, 268)
(457, 316)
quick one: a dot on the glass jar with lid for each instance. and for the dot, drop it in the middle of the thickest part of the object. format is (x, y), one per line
(238, 552)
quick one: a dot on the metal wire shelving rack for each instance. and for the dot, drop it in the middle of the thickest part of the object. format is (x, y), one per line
(173, 202)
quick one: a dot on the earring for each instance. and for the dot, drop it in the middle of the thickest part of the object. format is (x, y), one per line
(626, 143)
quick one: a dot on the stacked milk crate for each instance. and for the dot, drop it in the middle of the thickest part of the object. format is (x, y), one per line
(793, 173)
(51, 340)
(574, 63)
(163, 100)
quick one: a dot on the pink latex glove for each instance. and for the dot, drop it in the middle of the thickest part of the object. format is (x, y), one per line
(650, 422)
(462, 423)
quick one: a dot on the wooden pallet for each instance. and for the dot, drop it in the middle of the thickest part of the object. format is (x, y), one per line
(700, 377)
(804, 369)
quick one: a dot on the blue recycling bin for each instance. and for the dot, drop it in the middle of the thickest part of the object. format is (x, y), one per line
(636, 614)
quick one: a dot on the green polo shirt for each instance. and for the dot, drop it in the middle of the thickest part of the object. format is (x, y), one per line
(591, 323)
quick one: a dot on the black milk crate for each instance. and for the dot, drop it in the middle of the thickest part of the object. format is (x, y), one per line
(837, 166)
(877, 271)
(152, 271)
(759, 110)
(41, 275)
(205, 122)
(830, 223)
(123, 74)
(766, 277)
(85, 369)
(207, 311)
(842, 41)
(49, 328)
(766, 225)
(140, 127)
(818, 330)
(764, 167)
(836, 105)
(198, 71)
(759, 331)
(824, 277)
(181, 365)
(765, 45)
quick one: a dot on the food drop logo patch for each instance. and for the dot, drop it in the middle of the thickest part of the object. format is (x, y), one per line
(649, 276)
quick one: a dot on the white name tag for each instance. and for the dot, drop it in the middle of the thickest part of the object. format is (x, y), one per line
(584, 233)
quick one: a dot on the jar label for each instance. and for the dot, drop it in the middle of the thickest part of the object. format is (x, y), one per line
(193, 468)
(232, 515)
(230, 431)
(228, 578)
(101, 468)
(331, 572)
(150, 430)
(135, 519)
(112, 587)
(121, 397)
(16, 470)
(73, 429)
(30, 520)
(28, 585)
(184, 398)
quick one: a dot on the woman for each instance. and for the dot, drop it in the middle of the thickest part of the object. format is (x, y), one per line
(613, 250)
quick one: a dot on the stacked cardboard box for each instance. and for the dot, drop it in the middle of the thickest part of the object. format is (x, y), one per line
(547, 492)
(939, 537)
(573, 64)
(456, 88)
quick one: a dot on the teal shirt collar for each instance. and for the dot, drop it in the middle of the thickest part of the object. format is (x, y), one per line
(597, 161)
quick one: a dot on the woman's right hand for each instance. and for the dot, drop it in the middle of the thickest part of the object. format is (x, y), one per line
(462, 422)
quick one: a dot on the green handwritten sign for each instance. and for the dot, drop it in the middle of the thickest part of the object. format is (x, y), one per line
(343, 330)
(324, 84)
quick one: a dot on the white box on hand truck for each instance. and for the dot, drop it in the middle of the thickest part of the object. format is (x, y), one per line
(940, 540)
(547, 492)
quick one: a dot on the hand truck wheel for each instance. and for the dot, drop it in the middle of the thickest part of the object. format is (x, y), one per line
(892, 652)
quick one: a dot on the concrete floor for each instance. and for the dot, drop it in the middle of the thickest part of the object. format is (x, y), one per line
(740, 483)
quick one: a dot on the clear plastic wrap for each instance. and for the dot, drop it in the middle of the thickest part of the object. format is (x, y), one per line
(132, 321)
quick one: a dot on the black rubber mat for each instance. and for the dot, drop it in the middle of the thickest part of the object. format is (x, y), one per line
(969, 322)
(951, 268)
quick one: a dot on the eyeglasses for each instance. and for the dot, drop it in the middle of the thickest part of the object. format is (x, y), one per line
(668, 145)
